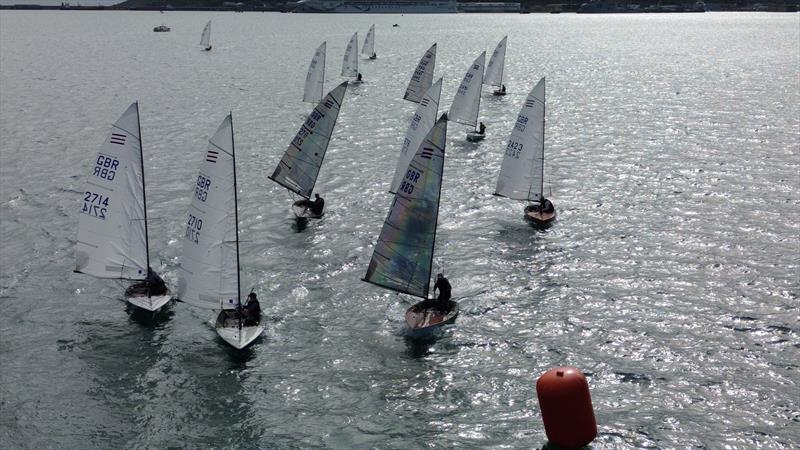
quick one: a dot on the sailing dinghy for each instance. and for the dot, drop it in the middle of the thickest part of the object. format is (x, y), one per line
(421, 124)
(112, 227)
(205, 38)
(316, 76)
(422, 78)
(299, 167)
(403, 256)
(350, 61)
(209, 275)
(522, 172)
(369, 44)
(467, 102)
(494, 70)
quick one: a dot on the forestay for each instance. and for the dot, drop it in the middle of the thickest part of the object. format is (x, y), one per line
(112, 227)
(403, 255)
(423, 121)
(494, 70)
(466, 103)
(422, 78)
(369, 42)
(208, 276)
(350, 62)
(316, 76)
(205, 38)
(521, 174)
(299, 167)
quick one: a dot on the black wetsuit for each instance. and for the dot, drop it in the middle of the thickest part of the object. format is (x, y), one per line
(317, 206)
(152, 285)
(444, 290)
(252, 313)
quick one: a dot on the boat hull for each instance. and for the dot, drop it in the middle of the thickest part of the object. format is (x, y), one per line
(303, 212)
(474, 136)
(153, 303)
(539, 218)
(425, 322)
(235, 334)
(498, 93)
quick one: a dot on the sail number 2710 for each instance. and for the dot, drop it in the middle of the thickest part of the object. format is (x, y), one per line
(193, 227)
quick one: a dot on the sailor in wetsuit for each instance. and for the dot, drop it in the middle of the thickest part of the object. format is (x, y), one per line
(316, 207)
(252, 310)
(442, 302)
(482, 129)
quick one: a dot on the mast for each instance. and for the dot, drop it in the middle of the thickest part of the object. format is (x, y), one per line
(144, 191)
(236, 218)
(544, 115)
(477, 113)
(436, 222)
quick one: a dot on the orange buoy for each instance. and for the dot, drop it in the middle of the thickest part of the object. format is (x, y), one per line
(566, 407)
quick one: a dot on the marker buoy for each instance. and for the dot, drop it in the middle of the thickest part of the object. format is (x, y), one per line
(566, 407)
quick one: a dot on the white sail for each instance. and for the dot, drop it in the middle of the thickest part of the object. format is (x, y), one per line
(422, 78)
(403, 255)
(112, 226)
(316, 76)
(208, 276)
(521, 175)
(299, 167)
(467, 101)
(423, 121)
(369, 42)
(205, 38)
(494, 70)
(350, 61)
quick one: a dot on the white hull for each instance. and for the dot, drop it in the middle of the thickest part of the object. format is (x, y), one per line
(240, 338)
(149, 303)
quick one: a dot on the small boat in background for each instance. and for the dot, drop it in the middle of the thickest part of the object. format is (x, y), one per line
(494, 70)
(467, 102)
(205, 38)
(315, 79)
(161, 29)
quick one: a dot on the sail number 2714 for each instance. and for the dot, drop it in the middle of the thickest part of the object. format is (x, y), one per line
(95, 205)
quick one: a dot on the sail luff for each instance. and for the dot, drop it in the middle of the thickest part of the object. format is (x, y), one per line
(544, 111)
(144, 190)
(299, 167)
(236, 216)
(422, 78)
(401, 260)
(369, 42)
(466, 103)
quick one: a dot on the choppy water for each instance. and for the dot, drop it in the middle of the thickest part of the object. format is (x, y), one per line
(670, 278)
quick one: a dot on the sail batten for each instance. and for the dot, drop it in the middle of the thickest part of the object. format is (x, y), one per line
(403, 255)
(208, 276)
(299, 167)
(422, 78)
(521, 173)
(315, 79)
(494, 70)
(350, 60)
(112, 231)
(466, 103)
(423, 120)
